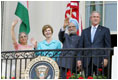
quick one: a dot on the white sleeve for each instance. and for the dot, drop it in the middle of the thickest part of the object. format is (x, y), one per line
(62, 29)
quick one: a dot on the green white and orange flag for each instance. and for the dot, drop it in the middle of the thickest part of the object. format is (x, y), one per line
(22, 13)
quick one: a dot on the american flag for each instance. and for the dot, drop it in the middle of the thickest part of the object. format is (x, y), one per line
(72, 11)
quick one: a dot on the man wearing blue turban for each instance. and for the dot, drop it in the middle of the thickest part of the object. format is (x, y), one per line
(69, 40)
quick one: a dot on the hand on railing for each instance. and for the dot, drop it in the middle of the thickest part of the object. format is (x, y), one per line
(105, 62)
(79, 65)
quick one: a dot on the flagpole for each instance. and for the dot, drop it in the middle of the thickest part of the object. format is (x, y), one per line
(70, 12)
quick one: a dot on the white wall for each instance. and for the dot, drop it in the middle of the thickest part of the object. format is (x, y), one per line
(40, 13)
(115, 64)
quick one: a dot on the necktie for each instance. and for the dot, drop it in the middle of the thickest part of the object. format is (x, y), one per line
(93, 33)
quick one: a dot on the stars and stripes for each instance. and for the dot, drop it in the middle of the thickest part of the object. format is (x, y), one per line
(72, 11)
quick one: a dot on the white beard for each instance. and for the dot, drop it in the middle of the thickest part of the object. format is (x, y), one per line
(72, 32)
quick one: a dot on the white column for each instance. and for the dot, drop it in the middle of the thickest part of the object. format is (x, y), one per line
(82, 12)
(115, 64)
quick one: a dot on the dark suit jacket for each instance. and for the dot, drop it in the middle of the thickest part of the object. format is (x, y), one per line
(101, 40)
(69, 41)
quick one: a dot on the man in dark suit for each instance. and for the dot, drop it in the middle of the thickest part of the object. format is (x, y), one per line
(95, 36)
(68, 36)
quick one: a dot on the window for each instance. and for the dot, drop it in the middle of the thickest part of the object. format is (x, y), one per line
(108, 11)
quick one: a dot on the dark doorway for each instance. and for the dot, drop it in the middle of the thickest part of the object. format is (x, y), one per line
(113, 40)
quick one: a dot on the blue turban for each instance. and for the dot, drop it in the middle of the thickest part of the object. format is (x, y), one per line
(75, 22)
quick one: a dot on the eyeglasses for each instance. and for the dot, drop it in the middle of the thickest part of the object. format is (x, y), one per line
(70, 26)
(23, 36)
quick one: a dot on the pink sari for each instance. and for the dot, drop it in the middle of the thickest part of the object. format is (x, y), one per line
(22, 47)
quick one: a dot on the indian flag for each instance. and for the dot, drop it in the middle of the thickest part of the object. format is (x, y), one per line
(22, 13)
